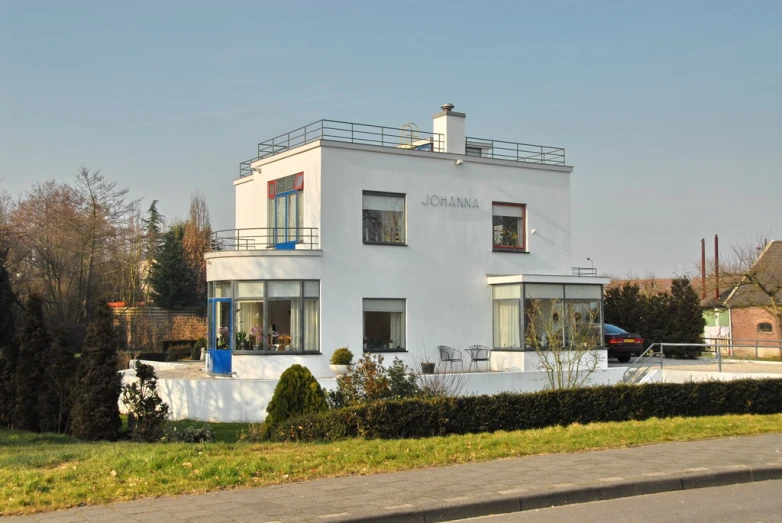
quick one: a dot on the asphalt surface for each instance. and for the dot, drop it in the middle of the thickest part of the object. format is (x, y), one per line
(465, 491)
(746, 502)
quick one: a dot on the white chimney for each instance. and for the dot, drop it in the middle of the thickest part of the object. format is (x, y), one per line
(449, 125)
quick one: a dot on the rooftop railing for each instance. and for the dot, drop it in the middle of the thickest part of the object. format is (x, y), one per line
(406, 137)
(583, 271)
(518, 152)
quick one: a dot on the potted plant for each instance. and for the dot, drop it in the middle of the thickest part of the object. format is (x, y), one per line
(340, 361)
(242, 341)
(427, 367)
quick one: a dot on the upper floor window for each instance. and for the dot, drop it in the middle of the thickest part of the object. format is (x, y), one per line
(383, 218)
(765, 327)
(285, 211)
(509, 226)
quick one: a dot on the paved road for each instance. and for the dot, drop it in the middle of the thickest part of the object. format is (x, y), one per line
(750, 502)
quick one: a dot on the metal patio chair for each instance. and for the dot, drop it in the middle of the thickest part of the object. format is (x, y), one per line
(478, 353)
(449, 356)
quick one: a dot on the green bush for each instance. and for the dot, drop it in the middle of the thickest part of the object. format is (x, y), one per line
(368, 380)
(297, 393)
(147, 412)
(178, 352)
(342, 356)
(200, 343)
(426, 417)
(189, 434)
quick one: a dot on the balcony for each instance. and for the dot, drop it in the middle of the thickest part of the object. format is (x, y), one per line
(266, 238)
(405, 137)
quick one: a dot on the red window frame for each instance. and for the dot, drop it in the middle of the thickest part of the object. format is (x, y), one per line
(515, 248)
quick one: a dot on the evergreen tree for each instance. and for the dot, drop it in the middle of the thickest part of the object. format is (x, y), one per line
(34, 343)
(686, 318)
(95, 412)
(153, 226)
(172, 278)
(8, 347)
(60, 377)
(147, 412)
(297, 392)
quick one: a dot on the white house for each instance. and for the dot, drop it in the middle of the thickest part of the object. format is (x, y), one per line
(393, 240)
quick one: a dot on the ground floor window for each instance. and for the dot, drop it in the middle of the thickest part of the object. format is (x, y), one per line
(270, 316)
(384, 324)
(553, 314)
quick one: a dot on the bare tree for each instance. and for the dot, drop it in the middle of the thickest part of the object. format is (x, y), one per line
(196, 241)
(103, 209)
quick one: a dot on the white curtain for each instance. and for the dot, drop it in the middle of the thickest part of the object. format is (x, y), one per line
(311, 325)
(397, 329)
(506, 324)
(295, 326)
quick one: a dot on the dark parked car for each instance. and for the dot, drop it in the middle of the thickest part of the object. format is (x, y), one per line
(622, 344)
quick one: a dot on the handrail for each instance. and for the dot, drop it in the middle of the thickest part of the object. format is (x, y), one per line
(645, 362)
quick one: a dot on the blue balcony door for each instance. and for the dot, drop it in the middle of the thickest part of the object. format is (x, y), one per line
(286, 220)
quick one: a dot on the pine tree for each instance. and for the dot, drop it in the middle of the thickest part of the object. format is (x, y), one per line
(8, 346)
(153, 226)
(34, 343)
(95, 412)
(171, 277)
(60, 377)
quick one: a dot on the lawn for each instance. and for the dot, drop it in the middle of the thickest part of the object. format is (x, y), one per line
(40, 472)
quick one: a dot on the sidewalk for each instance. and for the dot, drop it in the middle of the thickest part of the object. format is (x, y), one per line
(461, 491)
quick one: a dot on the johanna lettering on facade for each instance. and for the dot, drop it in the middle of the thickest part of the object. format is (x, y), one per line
(434, 200)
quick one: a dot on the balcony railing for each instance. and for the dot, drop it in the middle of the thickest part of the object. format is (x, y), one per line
(583, 271)
(518, 152)
(279, 238)
(408, 137)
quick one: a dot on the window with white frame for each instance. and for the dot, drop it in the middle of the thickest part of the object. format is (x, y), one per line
(383, 218)
(276, 316)
(384, 324)
(509, 227)
(544, 314)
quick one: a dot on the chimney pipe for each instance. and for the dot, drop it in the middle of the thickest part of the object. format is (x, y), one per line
(716, 267)
(703, 268)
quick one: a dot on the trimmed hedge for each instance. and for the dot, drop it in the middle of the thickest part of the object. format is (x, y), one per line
(179, 352)
(150, 356)
(419, 418)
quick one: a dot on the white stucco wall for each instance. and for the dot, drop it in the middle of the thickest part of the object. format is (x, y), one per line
(441, 273)
(245, 401)
(683, 376)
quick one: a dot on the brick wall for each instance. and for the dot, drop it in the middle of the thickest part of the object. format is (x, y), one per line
(744, 326)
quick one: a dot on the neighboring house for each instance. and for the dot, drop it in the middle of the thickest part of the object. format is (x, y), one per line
(393, 241)
(753, 314)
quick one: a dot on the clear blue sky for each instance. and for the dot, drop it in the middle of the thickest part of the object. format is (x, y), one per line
(670, 112)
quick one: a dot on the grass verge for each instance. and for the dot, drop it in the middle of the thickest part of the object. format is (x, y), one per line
(40, 472)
